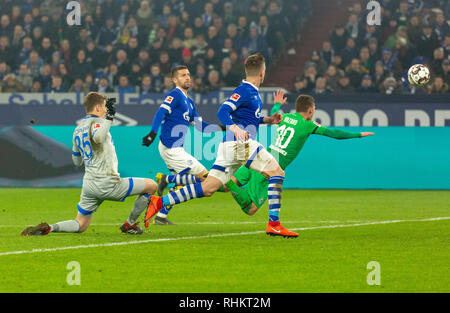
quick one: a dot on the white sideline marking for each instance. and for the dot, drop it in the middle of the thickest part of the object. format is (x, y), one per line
(219, 223)
(214, 235)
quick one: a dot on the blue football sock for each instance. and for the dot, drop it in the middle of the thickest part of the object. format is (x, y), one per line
(274, 196)
(184, 194)
(182, 179)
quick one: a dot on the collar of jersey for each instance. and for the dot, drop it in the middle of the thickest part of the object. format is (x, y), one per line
(181, 91)
(91, 115)
(244, 81)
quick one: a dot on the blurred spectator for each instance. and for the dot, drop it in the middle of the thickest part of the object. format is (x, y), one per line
(257, 43)
(321, 86)
(214, 82)
(156, 77)
(355, 71)
(427, 42)
(339, 38)
(164, 63)
(81, 67)
(332, 76)
(439, 86)
(390, 62)
(366, 84)
(144, 15)
(56, 86)
(79, 86)
(390, 86)
(327, 52)
(24, 77)
(227, 75)
(109, 33)
(34, 63)
(349, 52)
(168, 84)
(146, 85)
(11, 84)
(103, 86)
(124, 85)
(445, 73)
(344, 85)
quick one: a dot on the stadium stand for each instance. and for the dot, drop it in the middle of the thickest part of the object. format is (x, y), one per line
(359, 58)
(129, 45)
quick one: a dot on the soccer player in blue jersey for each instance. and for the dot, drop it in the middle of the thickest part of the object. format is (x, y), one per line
(174, 116)
(241, 114)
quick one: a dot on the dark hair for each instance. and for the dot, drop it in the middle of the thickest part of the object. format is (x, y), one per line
(254, 64)
(303, 103)
(176, 69)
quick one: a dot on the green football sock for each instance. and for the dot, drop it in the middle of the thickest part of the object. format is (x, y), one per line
(240, 196)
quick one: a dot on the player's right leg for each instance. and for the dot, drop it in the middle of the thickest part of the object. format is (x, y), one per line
(194, 191)
(275, 174)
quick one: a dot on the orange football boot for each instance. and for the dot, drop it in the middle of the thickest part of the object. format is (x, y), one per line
(276, 229)
(154, 206)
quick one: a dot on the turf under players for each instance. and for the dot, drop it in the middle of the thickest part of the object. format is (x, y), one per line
(291, 135)
(241, 114)
(174, 116)
(93, 146)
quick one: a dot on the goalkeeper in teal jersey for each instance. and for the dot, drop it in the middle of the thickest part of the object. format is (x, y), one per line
(291, 135)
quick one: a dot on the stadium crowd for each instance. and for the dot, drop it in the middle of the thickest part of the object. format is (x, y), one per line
(362, 58)
(130, 45)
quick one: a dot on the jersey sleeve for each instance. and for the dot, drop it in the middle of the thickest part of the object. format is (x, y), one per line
(235, 100)
(100, 130)
(333, 133)
(169, 103)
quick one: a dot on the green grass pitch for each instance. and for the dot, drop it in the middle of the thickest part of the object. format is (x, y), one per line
(216, 248)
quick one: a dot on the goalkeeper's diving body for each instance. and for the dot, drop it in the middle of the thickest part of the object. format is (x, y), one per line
(291, 134)
(93, 147)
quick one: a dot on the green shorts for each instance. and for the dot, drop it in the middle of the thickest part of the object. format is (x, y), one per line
(256, 184)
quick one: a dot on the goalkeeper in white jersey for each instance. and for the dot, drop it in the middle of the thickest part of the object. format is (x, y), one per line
(93, 147)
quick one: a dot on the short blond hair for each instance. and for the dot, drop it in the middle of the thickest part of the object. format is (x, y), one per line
(92, 99)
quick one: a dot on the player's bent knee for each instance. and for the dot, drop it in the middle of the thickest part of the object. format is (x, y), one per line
(150, 186)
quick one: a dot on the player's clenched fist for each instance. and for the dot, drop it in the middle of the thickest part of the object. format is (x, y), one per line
(110, 109)
(148, 139)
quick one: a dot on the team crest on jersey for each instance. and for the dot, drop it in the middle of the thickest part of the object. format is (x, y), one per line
(168, 99)
(235, 97)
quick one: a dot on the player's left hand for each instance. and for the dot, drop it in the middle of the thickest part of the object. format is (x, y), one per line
(278, 96)
(110, 109)
(365, 134)
(148, 139)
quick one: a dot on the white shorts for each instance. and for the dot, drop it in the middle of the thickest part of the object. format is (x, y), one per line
(95, 191)
(178, 161)
(232, 154)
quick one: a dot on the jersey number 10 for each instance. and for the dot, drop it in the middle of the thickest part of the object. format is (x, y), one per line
(282, 132)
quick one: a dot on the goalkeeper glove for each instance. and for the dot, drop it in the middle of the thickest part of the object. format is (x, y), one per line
(148, 139)
(110, 109)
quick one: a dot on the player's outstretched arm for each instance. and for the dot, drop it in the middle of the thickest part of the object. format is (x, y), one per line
(341, 134)
(157, 120)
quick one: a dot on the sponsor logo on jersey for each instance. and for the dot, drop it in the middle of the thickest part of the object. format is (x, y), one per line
(235, 97)
(168, 99)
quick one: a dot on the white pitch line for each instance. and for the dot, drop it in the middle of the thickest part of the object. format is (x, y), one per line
(217, 223)
(213, 236)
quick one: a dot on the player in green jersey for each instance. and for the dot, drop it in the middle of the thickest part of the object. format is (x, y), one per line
(291, 135)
